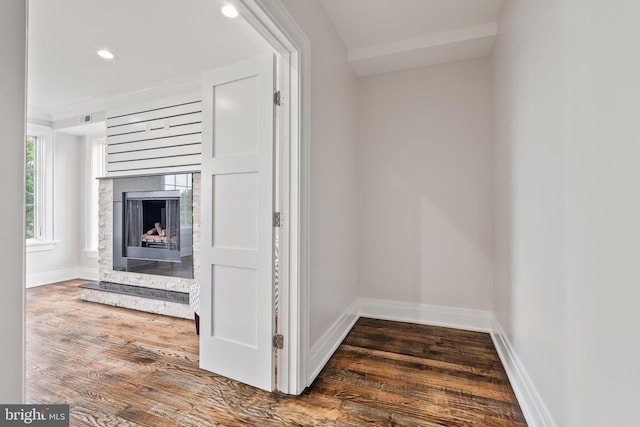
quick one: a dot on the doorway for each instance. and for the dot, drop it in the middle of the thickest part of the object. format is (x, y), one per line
(292, 161)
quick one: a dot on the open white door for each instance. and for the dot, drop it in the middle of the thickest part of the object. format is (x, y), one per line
(236, 306)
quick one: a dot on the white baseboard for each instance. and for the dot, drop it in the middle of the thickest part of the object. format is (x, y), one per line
(321, 351)
(87, 273)
(39, 279)
(532, 405)
(46, 278)
(451, 317)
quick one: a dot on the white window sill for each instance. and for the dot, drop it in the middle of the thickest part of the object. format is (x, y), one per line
(41, 245)
(91, 253)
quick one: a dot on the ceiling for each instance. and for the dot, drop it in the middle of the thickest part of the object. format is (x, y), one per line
(383, 35)
(159, 41)
(154, 41)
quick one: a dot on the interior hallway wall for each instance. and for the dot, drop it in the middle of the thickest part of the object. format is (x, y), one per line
(566, 88)
(334, 226)
(425, 199)
(13, 37)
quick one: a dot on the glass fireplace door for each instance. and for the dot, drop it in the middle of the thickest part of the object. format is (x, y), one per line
(152, 225)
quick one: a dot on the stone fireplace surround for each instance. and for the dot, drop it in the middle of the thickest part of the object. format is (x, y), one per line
(156, 287)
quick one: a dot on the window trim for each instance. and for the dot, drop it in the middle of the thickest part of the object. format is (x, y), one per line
(44, 151)
(95, 160)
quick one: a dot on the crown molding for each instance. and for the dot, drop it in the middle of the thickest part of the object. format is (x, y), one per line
(177, 86)
(466, 43)
(38, 115)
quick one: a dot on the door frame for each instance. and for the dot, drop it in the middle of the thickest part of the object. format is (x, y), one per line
(275, 24)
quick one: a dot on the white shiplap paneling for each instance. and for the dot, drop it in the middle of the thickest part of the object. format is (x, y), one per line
(165, 132)
(163, 111)
(148, 165)
(154, 138)
(184, 119)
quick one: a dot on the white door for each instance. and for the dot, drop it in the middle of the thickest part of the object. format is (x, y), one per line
(236, 306)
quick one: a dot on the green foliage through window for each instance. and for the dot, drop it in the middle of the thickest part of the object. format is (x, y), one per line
(30, 186)
(186, 207)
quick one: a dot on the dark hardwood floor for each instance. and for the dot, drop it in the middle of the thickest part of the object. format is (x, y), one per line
(119, 367)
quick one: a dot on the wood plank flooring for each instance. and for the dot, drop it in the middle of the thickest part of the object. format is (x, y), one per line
(119, 367)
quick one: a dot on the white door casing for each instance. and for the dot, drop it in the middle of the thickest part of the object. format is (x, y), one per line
(236, 308)
(272, 20)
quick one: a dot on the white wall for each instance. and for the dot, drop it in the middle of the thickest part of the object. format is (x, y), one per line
(530, 288)
(62, 262)
(566, 88)
(425, 185)
(12, 122)
(333, 237)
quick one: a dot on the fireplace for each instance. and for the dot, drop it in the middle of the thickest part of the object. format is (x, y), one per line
(155, 271)
(153, 225)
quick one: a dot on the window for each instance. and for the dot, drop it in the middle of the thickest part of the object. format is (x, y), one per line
(31, 188)
(95, 169)
(183, 183)
(39, 188)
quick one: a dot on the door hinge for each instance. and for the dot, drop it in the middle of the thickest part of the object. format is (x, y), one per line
(278, 341)
(277, 98)
(277, 219)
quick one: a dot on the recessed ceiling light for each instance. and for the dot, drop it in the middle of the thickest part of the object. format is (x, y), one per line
(229, 11)
(106, 54)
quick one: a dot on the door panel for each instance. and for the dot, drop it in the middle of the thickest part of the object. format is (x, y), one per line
(234, 106)
(235, 287)
(237, 234)
(236, 224)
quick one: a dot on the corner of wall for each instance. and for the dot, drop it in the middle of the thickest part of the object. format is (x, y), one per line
(323, 349)
(426, 314)
(531, 403)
